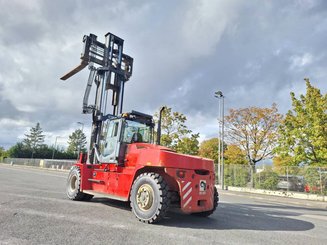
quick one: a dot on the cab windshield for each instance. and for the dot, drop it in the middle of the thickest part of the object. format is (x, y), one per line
(134, 132)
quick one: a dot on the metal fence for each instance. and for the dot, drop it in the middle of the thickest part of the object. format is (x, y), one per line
(288, 178)
(43, 163)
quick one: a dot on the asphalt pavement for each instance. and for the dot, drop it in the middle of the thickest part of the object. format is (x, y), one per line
(34, 210)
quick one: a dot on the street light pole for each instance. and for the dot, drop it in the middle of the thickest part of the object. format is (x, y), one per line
(82, 125)
(55, 145)
(222, 140)
(219, 143)
(219, 95)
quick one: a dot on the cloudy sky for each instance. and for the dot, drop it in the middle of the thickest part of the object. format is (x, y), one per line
(256, 52)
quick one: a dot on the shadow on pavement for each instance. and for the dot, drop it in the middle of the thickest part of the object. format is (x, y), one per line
(240, 217)
(230, 217)
(112, 203)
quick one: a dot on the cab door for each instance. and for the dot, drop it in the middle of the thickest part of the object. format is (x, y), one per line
(111, 141)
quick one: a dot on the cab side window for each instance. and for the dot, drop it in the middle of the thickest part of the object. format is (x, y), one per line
(110, 138)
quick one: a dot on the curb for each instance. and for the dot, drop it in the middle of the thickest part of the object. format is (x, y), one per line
(295, 195)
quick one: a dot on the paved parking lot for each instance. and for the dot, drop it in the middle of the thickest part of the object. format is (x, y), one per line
(35, 210)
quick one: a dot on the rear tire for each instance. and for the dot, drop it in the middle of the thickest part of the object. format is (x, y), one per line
(73, 186)
(150, 197)
(215, 205)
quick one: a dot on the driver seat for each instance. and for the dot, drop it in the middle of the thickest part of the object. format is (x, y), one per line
(137, 137)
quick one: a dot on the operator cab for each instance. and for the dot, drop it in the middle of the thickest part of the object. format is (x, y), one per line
(118, 132)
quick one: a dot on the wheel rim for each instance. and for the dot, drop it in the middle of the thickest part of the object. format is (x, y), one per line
(73, 183)
(144, 197)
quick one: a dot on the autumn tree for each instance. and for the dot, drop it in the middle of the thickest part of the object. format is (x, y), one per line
(234, 175)
(303, 133)
(35, 139)
(235, 155)
(253, 130)
(285, 165)
(209, 149)
(279, 161)
(76, 142)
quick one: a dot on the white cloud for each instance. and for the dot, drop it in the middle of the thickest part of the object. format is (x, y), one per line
(300, 61)
(9, 123)
(204, 23)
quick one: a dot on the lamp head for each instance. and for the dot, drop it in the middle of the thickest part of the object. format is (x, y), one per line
(219, 94)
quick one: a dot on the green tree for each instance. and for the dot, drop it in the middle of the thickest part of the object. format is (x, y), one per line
(173, 128)
(236, 175)
(3, 153)
(316, 180)
(254, 130)
(35, 139)
(303, 133)
(19, 150)
(266, 179)
(76, 142)
(188, 145)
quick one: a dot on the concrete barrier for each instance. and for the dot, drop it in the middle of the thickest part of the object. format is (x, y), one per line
(42, 163)
(58, 164)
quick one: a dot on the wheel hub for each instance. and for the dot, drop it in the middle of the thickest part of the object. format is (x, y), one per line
(73, 183)
(144, 197)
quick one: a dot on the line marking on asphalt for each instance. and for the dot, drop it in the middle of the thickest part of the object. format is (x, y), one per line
(71, 218)
(23, 189)
(38, 172)
(37, 197)
(64, 199)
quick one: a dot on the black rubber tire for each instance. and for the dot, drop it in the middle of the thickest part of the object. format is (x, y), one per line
(161, 197)
(215, 205)
(73, 186)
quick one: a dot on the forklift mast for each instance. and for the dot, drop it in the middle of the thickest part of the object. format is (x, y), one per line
(109, 69)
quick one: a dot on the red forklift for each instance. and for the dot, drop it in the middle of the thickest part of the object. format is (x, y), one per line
(123, 162)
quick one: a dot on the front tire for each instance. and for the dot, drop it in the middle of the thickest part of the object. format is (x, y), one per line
(150, 198)
(73, 186)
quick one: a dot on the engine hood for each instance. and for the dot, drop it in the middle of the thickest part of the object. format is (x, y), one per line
(155, 155)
